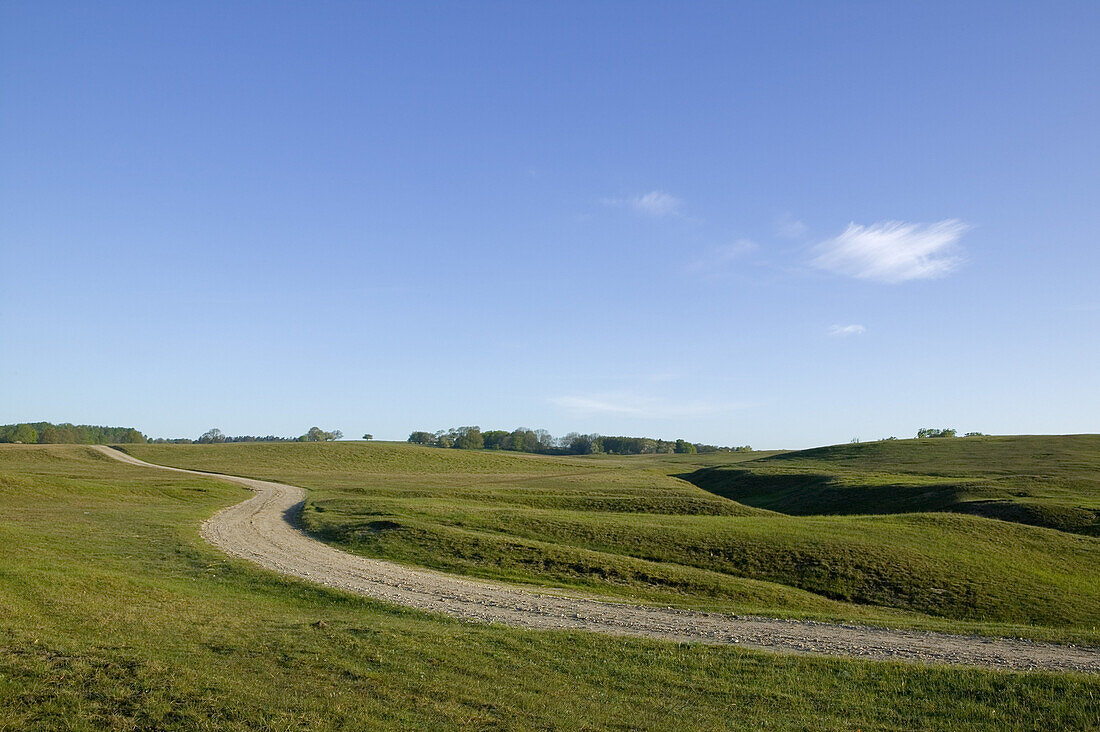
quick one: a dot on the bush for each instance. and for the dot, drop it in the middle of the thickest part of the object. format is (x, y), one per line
(924, 432)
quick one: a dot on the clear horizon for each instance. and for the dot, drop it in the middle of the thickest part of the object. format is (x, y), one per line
(782, 225)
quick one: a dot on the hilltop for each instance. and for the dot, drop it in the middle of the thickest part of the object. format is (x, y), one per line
(1051, 481)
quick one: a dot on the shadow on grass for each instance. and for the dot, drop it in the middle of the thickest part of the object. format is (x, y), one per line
(810, 494)
(818, 494)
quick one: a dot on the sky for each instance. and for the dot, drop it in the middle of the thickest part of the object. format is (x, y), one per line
(778, 224)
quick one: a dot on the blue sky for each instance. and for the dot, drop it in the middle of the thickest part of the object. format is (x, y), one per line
(781, 224)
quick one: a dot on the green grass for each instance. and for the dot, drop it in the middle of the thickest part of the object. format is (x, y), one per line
(114, 614)
(625, 528)
(1037, 480)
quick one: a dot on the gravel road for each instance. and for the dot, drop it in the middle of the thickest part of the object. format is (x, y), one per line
(261, 529)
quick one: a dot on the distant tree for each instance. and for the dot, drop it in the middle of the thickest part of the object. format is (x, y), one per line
(212, 436)
(469, 438)
(579, 444)
(522, 439)
(24, 433)
(132, 436)
(368, 436)
(545, 440)
(618, 445)
(495, 439)
(316, 434)
(932, 432)
(968, 434)
(66, 433)
(445, 438)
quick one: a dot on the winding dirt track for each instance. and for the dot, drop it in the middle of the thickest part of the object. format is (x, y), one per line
(261, 530)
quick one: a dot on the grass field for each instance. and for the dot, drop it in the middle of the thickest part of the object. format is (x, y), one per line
(115, 615)
(626, 528)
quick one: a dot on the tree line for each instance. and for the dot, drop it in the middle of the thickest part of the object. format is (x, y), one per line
(43, 433)
(927, 432)
(523, 439)
(216, 436)
(88, 434)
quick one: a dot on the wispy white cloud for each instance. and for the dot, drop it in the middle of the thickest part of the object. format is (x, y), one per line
(596, 405)
(789, 227)
(637, 405)
(654, 203)
(893, 251)
(718, 259)
(847, 330)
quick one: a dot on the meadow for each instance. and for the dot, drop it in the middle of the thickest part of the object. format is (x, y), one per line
(628, 528)
(114, 614)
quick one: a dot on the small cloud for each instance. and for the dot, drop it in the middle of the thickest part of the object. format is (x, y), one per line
(847, 330)
(718, 258)
(893, 251)
(789, 227)
(654, 203)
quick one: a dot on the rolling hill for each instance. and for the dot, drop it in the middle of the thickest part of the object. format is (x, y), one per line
(1051, 481)
(629, 528)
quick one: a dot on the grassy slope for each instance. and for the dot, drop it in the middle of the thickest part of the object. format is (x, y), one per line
(613, 528)
(1041, 480)
(115, 615)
